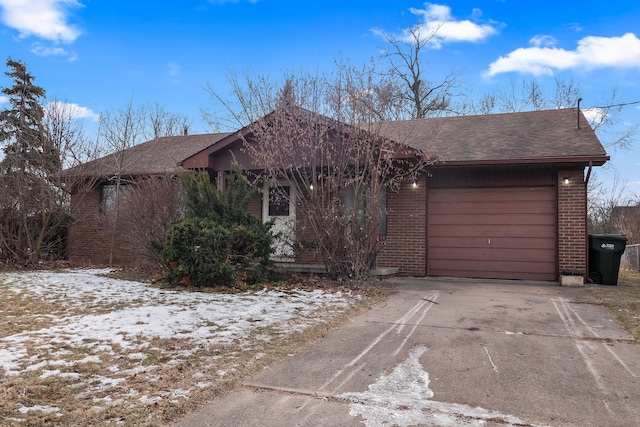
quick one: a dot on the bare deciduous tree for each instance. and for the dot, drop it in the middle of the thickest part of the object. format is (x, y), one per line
(405, 55)
(530, 95)
(67, 134)
(162, 122)
(147, 211)
(364, 94)
(121, 130)
(627, 219)
(337, 166)
(252, 96)
(605, 120)
(603, 200)
(526, 95)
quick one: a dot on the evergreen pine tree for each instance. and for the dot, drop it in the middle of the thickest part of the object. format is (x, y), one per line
(27, 198)
(26, 145)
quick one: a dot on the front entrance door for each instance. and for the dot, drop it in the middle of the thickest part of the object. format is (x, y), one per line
(278, 203)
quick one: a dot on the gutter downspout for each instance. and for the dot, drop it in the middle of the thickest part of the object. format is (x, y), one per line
(586, 221)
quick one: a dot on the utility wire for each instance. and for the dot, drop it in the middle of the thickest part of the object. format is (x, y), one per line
(615, 105)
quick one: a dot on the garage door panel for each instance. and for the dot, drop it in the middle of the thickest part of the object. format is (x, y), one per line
(493, 266)
(463, 255)
(499, 218)
(506, 208)
(471, 231)
(490, 195)
(494, 273)
(507, 233)
(498, 243)
(482, 207)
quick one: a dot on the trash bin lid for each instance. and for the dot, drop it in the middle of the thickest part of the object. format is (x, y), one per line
(609, 237)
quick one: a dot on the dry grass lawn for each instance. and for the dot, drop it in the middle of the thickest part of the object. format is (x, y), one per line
(92, 350)
(623, 300)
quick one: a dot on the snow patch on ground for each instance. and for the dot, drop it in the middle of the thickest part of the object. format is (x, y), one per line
(38, 408)
(403, 398)
(144, 313)
(105, 320)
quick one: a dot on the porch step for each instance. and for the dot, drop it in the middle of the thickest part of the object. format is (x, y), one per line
(301, 268)
(320, 269)
(384, 271)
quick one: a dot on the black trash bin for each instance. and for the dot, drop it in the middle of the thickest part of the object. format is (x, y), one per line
(605, 251)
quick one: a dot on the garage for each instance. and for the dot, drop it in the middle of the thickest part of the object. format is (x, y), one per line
(496, 233)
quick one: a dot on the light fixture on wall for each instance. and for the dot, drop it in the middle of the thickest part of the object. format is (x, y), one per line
(415, 184)
(566, 180)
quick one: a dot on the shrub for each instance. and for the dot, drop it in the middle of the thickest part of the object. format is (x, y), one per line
(219, 242)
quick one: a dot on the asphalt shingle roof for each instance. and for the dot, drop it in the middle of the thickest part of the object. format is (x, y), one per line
(526, 136)
(535, 136)
(156, 156)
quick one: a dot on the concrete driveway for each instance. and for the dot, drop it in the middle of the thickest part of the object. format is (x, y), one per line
(452, 353)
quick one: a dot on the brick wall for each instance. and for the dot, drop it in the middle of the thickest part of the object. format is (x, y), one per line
(306, 251)
(572, 232)
(86, 244)
(404, 245)
(90, 236)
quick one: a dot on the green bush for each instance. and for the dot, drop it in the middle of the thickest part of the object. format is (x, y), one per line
(219, 242)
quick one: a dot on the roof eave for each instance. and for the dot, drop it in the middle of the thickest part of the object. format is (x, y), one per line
(582, 160)
(200, 160)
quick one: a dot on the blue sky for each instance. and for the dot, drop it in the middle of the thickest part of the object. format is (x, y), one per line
(101, 54)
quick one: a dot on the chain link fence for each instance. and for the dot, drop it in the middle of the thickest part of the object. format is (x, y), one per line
(631, 258)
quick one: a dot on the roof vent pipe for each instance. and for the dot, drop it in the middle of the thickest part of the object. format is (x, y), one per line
(579, 99)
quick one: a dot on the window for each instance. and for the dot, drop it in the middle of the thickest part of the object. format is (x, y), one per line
(279, 200)
(109, 195)
(107, 198)
(382, 212)
(349, 201)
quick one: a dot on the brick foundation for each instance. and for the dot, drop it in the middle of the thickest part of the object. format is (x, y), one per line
(404, 245)
(572, 227)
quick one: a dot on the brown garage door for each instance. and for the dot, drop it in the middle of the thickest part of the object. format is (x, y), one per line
(501, 233)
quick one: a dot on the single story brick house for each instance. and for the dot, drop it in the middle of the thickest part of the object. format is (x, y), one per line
(506, 198)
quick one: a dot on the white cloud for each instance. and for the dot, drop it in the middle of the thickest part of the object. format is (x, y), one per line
(73, 110)
(4, 99)
(574, 26)
(174, 69)
(543, 40)
(439, 21)
(594, 115)
(591, 53)
(40, 50)
(45, 19)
